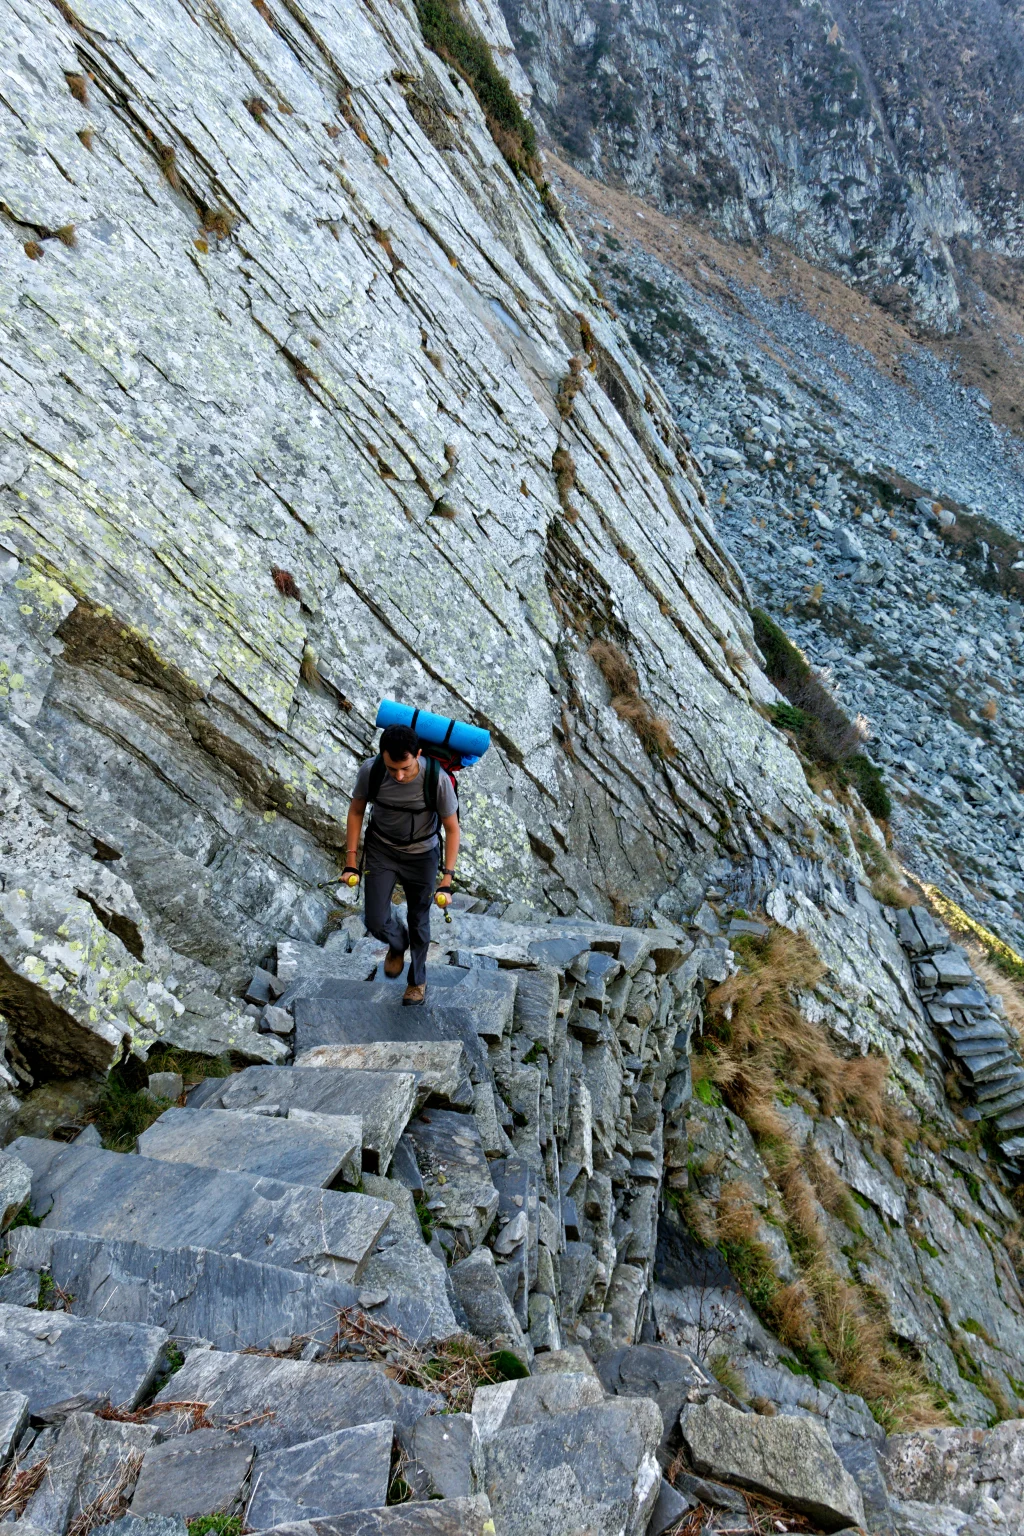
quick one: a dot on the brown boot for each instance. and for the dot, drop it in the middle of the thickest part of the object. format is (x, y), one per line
(394, 963)
(414, 997)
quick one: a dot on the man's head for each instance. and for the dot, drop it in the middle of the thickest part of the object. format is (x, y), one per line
(400, 749)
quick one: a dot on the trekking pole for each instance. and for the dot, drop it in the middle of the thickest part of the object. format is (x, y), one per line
(348, 876)
(444, 901)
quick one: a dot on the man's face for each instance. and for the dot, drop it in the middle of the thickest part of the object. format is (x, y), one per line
(402, 769)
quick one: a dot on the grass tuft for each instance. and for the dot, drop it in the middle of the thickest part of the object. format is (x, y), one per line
(33, 250)
(220, 221)
(66, 235)
(78, 85)
(284, 581)
(125, 1112)
(629, 704)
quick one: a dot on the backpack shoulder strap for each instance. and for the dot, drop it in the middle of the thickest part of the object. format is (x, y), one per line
(431, 779)
(376, 778)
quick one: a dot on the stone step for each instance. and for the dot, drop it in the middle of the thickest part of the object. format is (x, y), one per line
(982, 1069)
(970, 999)
(110, 1194)
(985, 1045)
(318, 1151)
(984, 1029)
(291, 1401)
(384, 1100)
(341, 1471)
(236, 1303)
(440, 1067)
(53, 1356)
(477, 1005)
(1014, 1121)
(456, 1174)
(997, 1086)
(432, 1517)
(1012, 1099)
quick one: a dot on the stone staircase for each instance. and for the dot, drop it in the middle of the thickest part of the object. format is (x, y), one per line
(984, 1051)
(487, 1164)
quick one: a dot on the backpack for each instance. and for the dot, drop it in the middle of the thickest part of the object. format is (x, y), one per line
(432, 770)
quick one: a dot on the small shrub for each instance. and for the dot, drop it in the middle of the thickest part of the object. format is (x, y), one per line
(220, 221)
(824, 731)
(284, 581)
(257, 108)
(216, 1525)
(570, 388)
(167, 158)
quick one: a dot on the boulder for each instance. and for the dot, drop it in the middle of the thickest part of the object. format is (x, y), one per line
(959, 1467)
(51, 1356)
(202, 1473)
(344, 1470)
(786, 1458)
(558, 1462)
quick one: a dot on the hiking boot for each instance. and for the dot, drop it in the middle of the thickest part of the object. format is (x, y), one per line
(394, 963)
(414, 997)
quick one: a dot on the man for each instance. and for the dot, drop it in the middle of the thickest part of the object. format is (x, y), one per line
(402, 844)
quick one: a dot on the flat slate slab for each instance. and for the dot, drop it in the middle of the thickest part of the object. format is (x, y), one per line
(111, 1194)
(456, 1175)
(202, 1473)
(440, 1066)
(300, 1399)
(471, 1006)
(199, 1293)
(315, 1152)
(433, 1517)
(345, 1470)
(86, 1458)
(52, 1356)
(384, 1100)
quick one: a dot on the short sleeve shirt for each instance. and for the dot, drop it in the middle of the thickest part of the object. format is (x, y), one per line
(401, 817)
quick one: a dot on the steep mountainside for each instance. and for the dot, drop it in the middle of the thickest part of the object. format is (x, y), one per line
(875, 138)
(310, 396)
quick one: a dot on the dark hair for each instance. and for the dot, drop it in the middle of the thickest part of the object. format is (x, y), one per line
(399, 741)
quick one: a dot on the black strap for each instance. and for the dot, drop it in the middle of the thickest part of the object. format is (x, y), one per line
(376, 779)
(448, 733)
(415, 717)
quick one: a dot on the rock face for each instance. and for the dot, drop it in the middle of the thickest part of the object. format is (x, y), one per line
(843, 129)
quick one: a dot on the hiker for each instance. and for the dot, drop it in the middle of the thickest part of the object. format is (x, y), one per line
(402, 844)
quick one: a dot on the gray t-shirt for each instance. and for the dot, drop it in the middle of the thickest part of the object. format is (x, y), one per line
(400, 815)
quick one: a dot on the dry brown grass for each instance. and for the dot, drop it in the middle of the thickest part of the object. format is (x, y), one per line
(219, 221)
(994, 980)
(18, 1484)
(454, 1367)
(33, 250)
(759, 1041)
(570, 387)
(66, 235)
(652, 730)
(78, 85)
(756, 1041)
(113, 1498)
(86, 135)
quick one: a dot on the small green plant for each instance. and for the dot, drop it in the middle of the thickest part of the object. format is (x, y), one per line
(125, 1112)
(47, 1292)
(216, 1525)
(25, 1218)
(426, 1218)
(704, 1089)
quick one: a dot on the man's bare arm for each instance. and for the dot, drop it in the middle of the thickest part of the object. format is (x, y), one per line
(451, 847)
(353, 829)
